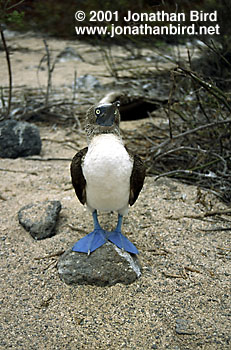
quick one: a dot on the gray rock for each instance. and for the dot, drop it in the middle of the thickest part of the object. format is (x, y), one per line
(87, 82)
(107, 265)
(183, 326)
(68, 54)
(40, 218)
(19, 139)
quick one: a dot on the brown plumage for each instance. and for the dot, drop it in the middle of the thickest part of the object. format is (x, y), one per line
(136, 179)
(78, 180)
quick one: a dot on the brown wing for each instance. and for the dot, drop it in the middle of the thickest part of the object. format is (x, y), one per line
(78, 180)
(137, 179)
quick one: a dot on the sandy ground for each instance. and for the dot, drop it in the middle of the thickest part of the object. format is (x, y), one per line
(182, 300)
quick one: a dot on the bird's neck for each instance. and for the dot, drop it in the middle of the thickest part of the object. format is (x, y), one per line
(93, 131)
(106, 140)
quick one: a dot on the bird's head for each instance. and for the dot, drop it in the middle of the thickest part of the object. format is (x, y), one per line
(103, 118)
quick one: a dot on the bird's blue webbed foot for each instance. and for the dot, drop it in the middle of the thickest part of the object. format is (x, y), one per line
(120, 240)
(93, 240)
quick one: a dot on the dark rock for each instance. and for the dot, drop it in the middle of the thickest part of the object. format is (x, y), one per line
(107, 265)
(40, 218)
(19, 139)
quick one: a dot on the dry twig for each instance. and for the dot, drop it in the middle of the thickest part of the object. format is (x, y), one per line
(19, 171)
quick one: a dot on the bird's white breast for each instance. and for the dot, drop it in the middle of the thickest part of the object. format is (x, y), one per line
(107, 169)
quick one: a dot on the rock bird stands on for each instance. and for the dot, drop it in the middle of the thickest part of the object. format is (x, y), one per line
(106, 176)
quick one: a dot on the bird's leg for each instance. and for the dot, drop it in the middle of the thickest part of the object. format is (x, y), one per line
(93, 240)
(96, 221)
(119, 223)
(120, 240)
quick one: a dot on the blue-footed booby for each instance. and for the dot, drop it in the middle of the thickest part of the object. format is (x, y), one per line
(106, 176)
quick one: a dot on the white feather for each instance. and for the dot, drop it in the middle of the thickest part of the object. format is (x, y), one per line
(107, 169)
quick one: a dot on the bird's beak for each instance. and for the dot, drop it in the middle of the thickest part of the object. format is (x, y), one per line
(108, 113)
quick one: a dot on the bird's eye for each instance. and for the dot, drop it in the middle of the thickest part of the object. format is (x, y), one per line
(97, 111)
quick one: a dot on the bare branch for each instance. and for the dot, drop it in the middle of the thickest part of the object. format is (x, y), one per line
(9, 70)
